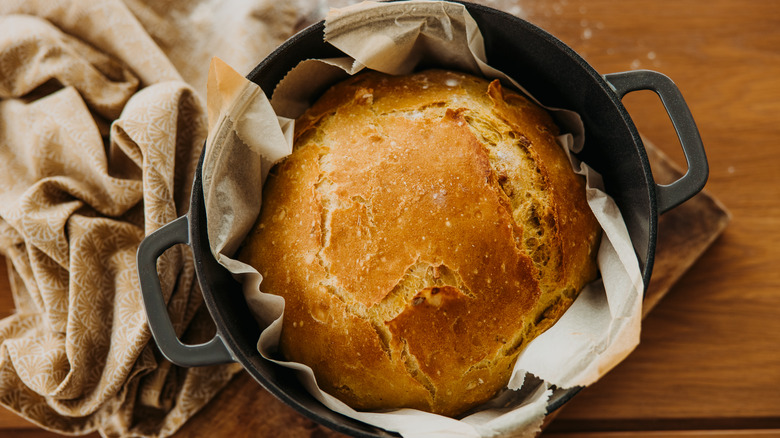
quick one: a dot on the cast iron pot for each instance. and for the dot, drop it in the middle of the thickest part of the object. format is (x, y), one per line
(550, 71)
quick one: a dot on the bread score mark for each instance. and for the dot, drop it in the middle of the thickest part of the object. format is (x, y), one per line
(429, 288)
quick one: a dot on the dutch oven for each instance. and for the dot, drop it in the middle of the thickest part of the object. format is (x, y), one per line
(550, 71)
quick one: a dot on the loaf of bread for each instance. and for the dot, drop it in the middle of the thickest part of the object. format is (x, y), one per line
(423, 231)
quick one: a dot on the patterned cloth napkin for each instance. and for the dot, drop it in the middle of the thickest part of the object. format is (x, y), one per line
(101, 125)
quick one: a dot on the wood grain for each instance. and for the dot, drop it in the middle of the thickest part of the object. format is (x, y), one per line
(708, 357)
(709, 361)
(684, 232)
(254, 413)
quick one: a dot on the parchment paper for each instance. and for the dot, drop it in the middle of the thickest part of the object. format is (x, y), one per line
(248, 134)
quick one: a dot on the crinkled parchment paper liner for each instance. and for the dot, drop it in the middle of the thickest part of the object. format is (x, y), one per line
(247, 134)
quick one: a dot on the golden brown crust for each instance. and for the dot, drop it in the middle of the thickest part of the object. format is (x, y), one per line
(423, 231)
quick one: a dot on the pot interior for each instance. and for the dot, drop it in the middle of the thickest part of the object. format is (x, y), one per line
(550, 71)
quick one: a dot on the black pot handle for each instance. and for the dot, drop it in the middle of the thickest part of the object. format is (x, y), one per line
(674, 194)
(153, 246)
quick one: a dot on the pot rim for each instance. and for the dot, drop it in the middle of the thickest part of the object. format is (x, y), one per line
(560, 396)
(235, 326)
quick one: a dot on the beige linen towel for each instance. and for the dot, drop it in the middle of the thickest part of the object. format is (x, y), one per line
(99, 139)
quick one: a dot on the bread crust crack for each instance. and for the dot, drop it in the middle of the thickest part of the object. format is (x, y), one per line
(424, 230)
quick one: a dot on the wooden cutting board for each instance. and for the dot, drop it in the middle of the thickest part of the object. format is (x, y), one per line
(243, 408)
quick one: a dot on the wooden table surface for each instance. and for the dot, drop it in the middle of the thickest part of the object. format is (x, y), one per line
(709, 360)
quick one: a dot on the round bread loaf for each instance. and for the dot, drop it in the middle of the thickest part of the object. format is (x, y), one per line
(424, 230)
